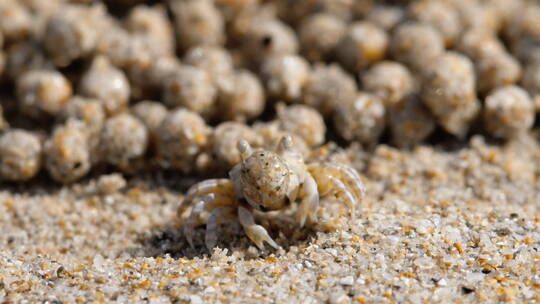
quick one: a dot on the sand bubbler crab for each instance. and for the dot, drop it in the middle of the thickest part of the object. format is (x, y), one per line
(266, 181)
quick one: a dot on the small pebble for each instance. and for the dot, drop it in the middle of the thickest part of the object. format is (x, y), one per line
(293, 11)
(197, 22)
(521, 21)
(73, 32)
(385, 16)
(348, 281)
(474, 14)
(122, 48)
(182, 135)
(20, 155)
(410, 122)
(361, 119)
(268, 37)
(441, 15)
(15, 20)
(216, 61)
(304, 121)
(42, 92)
(477, 42)
(160, 69)
(416, 45)
(67, 154)
(126, 139)
(193, 299)
(339, 298)
(328, 86)
(107, 84)
(25, 56)
(531, 82)
(153, 25)
(89, 111)
(449, 92)
(285, 76)
(495, 70)
(243, 99)
(191, 87)
(508, 112)
(362, 44)
(319, 35)
(390, 81)
(151, 114)
(111, 183)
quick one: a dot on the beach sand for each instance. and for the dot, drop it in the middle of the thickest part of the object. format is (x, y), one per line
(438, 225)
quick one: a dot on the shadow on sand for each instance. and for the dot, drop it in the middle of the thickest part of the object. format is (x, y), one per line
(171, 241)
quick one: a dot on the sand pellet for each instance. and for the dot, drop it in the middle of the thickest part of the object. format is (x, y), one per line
(20, 155)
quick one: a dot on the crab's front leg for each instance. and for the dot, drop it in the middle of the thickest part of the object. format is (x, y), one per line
(309, 204)
(307, 190)
(256, 233)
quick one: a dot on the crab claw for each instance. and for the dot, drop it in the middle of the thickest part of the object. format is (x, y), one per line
(256, 233)
(310, 202)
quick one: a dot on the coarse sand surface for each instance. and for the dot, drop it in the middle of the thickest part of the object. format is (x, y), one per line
(438, 225)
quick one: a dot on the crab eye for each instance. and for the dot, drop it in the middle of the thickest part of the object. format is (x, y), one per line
(263, 208)
(242, 146)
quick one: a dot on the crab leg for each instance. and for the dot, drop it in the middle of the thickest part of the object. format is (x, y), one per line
(217, 186)
(218, 216)
(199, 212)
(310, 201)
(342, 193)
(329, 181)
(256, 233)
(194, 220)
(349, 176)
(345, 173)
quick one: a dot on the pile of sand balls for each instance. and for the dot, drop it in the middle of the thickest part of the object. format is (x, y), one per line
(142, 85)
